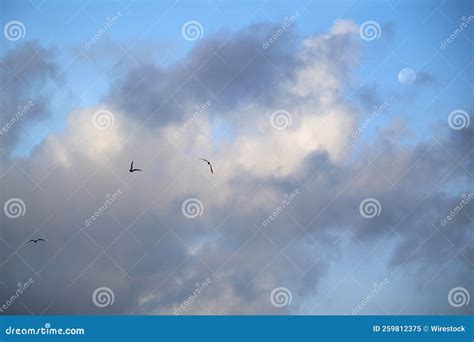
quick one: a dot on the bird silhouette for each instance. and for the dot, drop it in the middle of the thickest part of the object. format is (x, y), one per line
(35, 241)
(132, 169)
(208, 163)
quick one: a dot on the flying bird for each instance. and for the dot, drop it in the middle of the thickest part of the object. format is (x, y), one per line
(208, 163)
(35, 241)
(132, 169)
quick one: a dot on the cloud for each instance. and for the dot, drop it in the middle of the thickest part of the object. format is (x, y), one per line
(228, 68)
(27, 73)
(142, 247)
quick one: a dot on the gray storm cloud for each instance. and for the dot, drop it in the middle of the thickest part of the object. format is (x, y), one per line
(153, 256)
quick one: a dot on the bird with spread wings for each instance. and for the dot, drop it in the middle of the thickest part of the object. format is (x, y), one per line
(208, 163)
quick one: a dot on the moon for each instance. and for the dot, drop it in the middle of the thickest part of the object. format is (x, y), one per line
(406, 76)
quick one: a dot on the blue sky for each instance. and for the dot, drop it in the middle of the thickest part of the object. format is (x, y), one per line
(411, 36)
(408, 158)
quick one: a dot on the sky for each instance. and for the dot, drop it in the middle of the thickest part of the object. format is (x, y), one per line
(339, 132)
